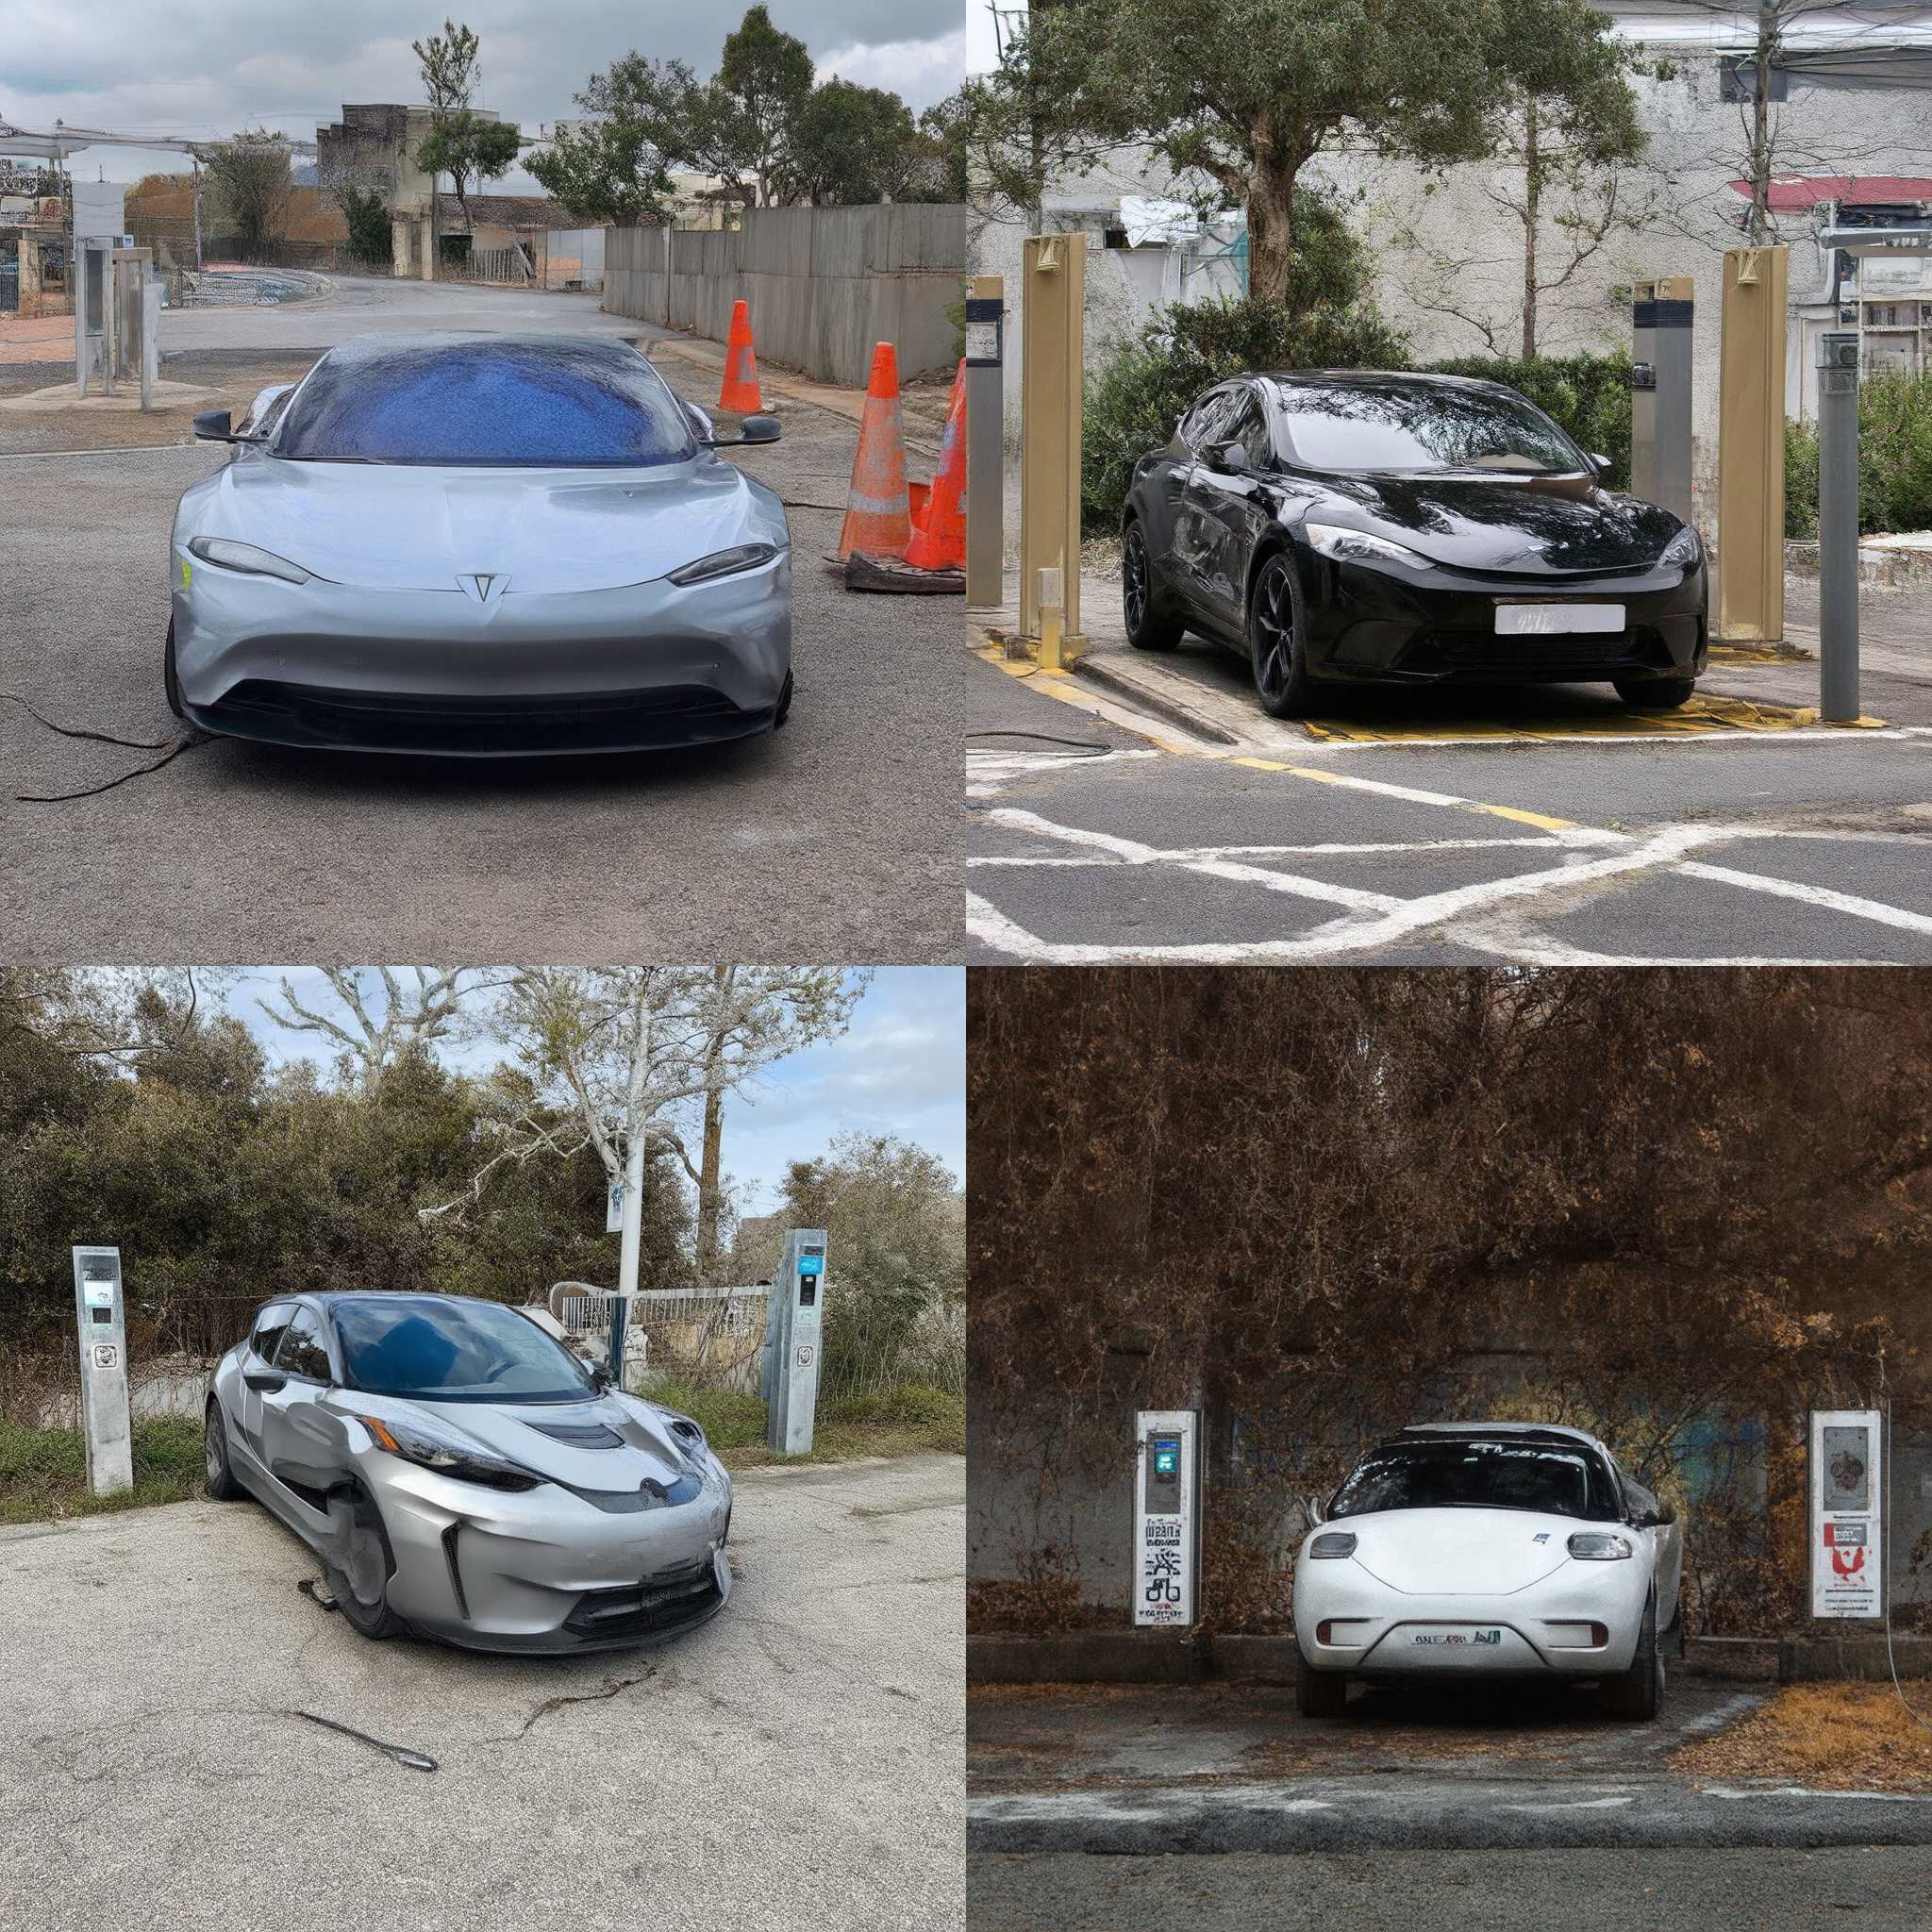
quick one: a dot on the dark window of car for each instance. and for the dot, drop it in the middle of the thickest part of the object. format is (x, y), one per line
(503, 403)
(1481, 1472)
(268, 1330)
(1206, 422)
(1249, 427)
(440, 1349)
(1419, 427)
(303, 1352)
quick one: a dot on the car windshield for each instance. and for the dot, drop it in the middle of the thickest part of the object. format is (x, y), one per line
(440, 1350)
(1480, 1472)
(505, 403)
(1417, 427)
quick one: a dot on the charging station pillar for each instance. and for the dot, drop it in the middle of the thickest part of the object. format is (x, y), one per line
(1847, 1513)
(1661, 316)
(102, 1329)
(1167, 1518)
(792, 1320)
(1838, 526)
(1052, 325)
(1751, 447)
(986, 509)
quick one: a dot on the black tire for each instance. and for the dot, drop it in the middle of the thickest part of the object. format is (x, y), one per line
(1321, 1693)
(171, 677)
(361, 1585)
(1149, 627)
(1275, 656)
(222, 1485)
(1638, 1694)
(1655, 693)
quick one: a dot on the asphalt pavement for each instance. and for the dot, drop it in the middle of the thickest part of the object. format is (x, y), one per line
(1875, 1888)
(834, 837)
(1547, 826)
(796, 1762)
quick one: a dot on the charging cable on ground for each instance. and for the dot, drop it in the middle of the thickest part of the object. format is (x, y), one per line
(170, 748)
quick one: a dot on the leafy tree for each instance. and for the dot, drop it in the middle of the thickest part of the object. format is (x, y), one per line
(944, 136)
(851, 144)
(251, 178)
(368, 216)
(461, 144)
(764, 79)
(607, 171)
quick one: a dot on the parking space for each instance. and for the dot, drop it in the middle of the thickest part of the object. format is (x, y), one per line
(825, 840)
(784, 1765)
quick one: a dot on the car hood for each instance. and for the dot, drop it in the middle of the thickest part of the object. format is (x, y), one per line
(408, 528)
(1461, 1552)
(571, 1442)
(1555, 528)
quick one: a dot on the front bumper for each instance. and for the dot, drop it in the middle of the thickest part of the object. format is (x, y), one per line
(544, 1570)
(645, 668)
(1551, 1626)
(1410, 627)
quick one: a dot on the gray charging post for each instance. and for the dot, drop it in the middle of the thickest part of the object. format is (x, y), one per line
(102, 1333)
(793, 1318)
(1838, 525)
(1661, 317)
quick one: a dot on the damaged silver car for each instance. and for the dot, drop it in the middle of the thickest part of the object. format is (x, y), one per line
(463, 1476)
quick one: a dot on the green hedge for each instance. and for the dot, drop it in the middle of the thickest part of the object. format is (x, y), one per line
(1132, 404)
(1894, 461)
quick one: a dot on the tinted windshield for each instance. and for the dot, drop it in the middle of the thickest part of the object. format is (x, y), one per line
(1500, 1474)
(486, 402)
(1420, 427)
(451, 1351)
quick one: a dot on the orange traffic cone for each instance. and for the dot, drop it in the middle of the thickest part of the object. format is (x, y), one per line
(739, 393)
(878, 519)
(938, 543)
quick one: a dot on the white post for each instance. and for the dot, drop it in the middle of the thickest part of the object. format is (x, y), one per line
(629, 1242)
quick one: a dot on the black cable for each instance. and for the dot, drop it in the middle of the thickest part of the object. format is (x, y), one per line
(170, 748)
(1086, 747)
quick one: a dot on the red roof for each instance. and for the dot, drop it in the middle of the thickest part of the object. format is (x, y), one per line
(1793, 194)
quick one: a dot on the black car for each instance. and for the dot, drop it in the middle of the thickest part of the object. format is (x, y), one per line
(1358, 526)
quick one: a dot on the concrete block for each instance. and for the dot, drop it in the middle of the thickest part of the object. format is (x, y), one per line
(1859, 1655)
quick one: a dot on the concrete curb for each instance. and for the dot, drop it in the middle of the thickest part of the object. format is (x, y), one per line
(1384, 1812)
(1859, 1656)
(1160, 704)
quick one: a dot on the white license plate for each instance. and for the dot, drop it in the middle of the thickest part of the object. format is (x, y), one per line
(1550, 620)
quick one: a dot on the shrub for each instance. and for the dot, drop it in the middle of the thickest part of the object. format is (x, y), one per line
(367, 214)
(1801, 479)
(1895, 459)
(1588, 395)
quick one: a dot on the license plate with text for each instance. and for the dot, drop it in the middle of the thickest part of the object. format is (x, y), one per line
(1552, 619)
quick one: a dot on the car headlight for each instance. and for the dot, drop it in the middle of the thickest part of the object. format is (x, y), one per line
(1359, 547)
(723, 563)
(447, 1454)
(1333, 1542)
(1599, 1546)
(246, 557)
(1683, 550)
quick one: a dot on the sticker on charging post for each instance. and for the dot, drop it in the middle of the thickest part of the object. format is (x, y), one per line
(1847, 1505)
(107, 1356)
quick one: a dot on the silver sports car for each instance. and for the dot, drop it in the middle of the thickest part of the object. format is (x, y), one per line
(1475, 1550)
(463, 1476)
(480, 545)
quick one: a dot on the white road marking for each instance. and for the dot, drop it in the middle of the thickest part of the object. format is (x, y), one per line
(1823, 896)
(1572, 1805)
(1798, 734)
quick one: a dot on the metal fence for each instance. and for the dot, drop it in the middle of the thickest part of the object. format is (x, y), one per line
(710, 1336)
(823, 284)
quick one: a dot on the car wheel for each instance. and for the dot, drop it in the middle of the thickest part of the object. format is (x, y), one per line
(222, 1485)
(1323, 1694)
(171, 677)
(1274, 644)
(784, 710)
(359, 1576)
(1149, 627)
(1655, 693)
(1638, 1694)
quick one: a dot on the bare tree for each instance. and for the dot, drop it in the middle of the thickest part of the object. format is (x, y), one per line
(374, 1035)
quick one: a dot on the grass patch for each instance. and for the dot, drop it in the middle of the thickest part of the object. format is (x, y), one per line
(44, 1471)
(1833, 1737)
(908, 1421)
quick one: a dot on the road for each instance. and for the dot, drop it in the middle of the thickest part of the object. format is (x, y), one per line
(797, 1761)
(1876, 1889)
(834, 837)
(1547, 827)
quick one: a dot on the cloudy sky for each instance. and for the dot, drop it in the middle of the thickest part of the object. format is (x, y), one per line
(202, 68)
(900, 1069)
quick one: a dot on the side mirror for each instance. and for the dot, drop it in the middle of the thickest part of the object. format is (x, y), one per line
(265, 1380)
(1313, 1509)
(1228, 458)
(758, 429)
(1600, 463)
(214, 426)
(600, 1378)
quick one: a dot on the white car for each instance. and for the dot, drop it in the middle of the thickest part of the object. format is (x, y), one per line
(1488, 1549)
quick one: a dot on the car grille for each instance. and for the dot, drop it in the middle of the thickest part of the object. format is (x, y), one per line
(1578, 654)
(660, 1606)
(382, 721)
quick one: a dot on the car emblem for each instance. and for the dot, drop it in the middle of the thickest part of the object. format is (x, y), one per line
(485, 589)
(1543, 1536)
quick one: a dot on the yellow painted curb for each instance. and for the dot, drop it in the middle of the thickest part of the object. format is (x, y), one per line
(1699, 715)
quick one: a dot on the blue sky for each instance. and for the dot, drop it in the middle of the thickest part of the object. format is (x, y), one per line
(899, 1069)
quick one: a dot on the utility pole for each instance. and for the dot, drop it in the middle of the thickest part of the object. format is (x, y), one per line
(628, 1241)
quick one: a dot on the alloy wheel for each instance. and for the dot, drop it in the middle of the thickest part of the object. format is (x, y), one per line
(1273, 633)
(1134, 577)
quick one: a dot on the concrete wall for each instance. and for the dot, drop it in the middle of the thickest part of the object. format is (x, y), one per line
(823, 284)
